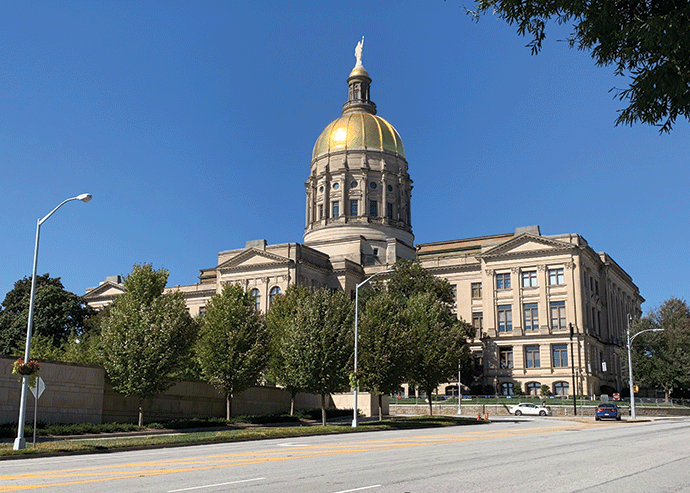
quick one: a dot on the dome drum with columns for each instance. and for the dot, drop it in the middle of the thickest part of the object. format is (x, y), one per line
(359, 190)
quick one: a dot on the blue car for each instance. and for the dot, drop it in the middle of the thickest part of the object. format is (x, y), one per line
(607, 410)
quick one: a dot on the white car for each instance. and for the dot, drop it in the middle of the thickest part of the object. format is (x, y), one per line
(529, 409)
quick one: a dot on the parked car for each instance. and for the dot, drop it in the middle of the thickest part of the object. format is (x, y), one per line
(607, 410)
(529, 409)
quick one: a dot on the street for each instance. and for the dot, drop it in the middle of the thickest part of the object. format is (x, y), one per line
(510, 454)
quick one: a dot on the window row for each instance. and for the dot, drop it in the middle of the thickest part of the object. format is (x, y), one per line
(504, 317)
(354, 209)
(355, 184)
(528, 278)
(256, 294)
(534, 388)
(532, 355)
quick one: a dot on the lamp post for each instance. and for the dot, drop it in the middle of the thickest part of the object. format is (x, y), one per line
(354, 411)
(20, 442)
(630, 374)
(572, 369)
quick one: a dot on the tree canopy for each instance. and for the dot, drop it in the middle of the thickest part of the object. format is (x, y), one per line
(319, 344)
(647, 41)
(232, 347)
(280, 316)
(57, 314)
(147, 335)
(662, 359)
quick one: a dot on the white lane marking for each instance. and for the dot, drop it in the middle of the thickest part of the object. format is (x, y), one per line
(219, 484)
(360, 489)
(294, 445)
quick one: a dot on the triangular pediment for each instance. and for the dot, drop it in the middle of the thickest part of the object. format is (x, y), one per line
(106, 289)
(252, 257)
(528, 244)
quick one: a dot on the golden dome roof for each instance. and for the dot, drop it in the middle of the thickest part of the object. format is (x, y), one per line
(359, 130)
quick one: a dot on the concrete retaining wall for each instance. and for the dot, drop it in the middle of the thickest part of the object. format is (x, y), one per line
(503, 410)
(80, 394)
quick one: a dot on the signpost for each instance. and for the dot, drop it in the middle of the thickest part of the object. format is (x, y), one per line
(37, 390)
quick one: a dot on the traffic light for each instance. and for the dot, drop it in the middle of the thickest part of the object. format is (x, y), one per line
(636, 389)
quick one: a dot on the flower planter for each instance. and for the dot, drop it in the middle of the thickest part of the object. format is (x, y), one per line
(24, 370)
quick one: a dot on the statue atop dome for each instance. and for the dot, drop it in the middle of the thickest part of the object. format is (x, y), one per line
(358, 53)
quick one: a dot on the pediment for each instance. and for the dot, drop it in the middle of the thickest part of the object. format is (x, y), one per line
(251, 258)
(107, 289)
(528, 244)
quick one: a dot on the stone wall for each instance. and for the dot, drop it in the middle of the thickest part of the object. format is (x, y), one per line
(80, 394)
(503, 410)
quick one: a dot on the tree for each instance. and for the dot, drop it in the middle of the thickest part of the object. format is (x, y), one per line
(438, 342)
(318, 344)
(281, 314)
(663, 358)
(57, 314)
(232, 348)
(147, 336)
(647, 41)
(383, 346)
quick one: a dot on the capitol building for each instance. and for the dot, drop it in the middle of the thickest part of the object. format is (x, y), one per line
(547, 309)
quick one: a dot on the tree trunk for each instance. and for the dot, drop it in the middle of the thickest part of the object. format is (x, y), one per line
(667, 395)
(141, 412)
(380, 407)
(323, 409)
(228, 407)
(431, 408)
(293, 394)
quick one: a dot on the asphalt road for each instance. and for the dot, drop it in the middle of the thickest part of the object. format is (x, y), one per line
(508, 455)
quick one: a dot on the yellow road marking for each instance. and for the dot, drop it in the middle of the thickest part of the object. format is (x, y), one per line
(95, 474)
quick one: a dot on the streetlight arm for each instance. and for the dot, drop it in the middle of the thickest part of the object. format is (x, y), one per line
(84, 197)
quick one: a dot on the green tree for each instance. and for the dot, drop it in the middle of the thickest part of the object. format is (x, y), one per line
(57, 314)
(147, 336)
(383, 346)
(438, 341)
(318, 344)
(647, 41)
(662, 359)
(281, 314)
(232, 347)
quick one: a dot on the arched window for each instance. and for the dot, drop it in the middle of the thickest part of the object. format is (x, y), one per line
(275, 291)
(561, 388)
(533, 388)
(506, 388)
(257, 299)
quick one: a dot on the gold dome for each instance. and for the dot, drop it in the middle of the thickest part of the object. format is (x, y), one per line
(359, 130)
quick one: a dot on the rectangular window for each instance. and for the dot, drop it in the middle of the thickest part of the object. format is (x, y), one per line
(373, 208)
(454, 291)
(336, 208)
(556, 277)
(558, 315)
(560, 356)
(529, 279)
(531, 316)
(476, 290)
(478, 320)
(532, 357)
(320, 211)
(506, 357)
(502, 281)
(353, 208)
(389, 211)
(505, 318)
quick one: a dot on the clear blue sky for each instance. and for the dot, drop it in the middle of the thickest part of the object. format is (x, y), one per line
(192, 124)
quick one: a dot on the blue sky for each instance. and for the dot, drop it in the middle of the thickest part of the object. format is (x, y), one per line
(192, 124)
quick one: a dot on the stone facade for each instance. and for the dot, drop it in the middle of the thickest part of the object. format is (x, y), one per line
(522, 291)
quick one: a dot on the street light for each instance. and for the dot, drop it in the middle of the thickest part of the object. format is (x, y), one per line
(630, 375)
(19, 442)
(354, 411)
(572, 367)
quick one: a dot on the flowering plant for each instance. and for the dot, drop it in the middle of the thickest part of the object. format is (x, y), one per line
(30, 369)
